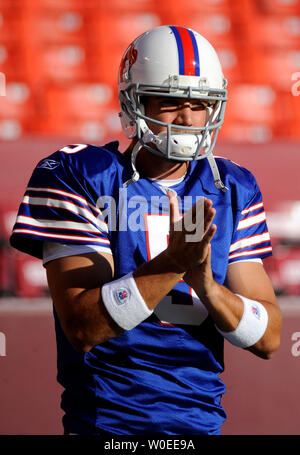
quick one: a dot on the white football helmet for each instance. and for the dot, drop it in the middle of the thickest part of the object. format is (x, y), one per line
(172, 61)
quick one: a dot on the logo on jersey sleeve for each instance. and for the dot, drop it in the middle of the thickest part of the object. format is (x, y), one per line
(48, 164)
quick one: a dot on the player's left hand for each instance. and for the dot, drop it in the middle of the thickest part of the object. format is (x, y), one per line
(200, 278)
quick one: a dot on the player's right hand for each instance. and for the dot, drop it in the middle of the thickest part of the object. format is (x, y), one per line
(184, 253)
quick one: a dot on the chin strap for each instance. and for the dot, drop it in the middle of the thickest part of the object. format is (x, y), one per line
(215, 171)
(135, 175)
(211, 160)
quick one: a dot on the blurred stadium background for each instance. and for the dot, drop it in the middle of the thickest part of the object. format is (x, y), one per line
(60, 60)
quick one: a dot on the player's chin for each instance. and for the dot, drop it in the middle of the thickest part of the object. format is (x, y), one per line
(160, 156)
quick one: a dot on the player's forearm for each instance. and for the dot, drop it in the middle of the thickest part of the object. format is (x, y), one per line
(226, 309)
(90, 323)
(94, 325)
(156, 278)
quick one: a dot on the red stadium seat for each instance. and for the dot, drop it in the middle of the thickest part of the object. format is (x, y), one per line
(17, 110)
(245, 132)
(13, 129)
(138, 6)
(60, 4)
(12, 4)
(232, 64)
(11, 61)
(112, 36)
(216, 28)
(274, 67)
(106, 128)
(203, 6)
(57, 63)
(79, 101)
(256, 113)
(10, 21)
(278, 7)
(18, 102)
(88, 112)
(252, 103)
(274, 31)
(55, 26)
(11, 46)
(56, 40)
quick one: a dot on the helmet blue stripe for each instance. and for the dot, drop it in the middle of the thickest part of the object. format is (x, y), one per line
(196, 53)
(179, 48)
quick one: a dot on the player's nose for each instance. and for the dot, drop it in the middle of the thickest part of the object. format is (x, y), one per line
(184, 115)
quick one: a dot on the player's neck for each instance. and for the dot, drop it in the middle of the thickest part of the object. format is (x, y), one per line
(156, 167)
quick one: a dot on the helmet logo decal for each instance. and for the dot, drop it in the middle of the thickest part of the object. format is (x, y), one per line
(127, 61)
(189, 62)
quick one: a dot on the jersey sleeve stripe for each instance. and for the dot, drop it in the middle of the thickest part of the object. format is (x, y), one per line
(251, 221)
(251, 252)
(56, 224)
(68, 206)
(62, 236)
(249, 241)
(252, 208)
(67, 194)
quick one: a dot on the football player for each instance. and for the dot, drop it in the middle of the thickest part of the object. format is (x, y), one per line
(153, 256)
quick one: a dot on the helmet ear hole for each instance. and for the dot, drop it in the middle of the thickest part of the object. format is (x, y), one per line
(128, 126)
(127, 123)
(142, 104)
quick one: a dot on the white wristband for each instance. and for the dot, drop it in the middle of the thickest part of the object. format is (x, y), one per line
(251, 327)
(124, 302)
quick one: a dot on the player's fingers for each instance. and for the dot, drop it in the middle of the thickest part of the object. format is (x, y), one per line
(174, 208)
(208, 217)
(209, 234)
(208, 257)
(200, 207)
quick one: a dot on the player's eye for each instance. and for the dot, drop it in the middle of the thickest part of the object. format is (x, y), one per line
(199, 105)
(168, 102)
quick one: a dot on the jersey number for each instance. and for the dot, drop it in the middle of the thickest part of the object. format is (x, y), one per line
(181, 305)
(73, 148)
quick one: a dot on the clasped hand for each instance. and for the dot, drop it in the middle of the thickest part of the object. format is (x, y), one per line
(193, 258)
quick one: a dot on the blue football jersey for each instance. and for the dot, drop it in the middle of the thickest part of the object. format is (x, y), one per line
(163, 376)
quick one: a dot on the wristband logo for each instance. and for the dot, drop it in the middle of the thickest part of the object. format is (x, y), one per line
(255, 312)
(122, 295)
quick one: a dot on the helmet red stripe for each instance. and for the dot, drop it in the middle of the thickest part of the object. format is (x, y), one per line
(188, 51)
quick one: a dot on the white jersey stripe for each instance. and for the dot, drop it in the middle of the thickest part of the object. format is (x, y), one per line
(56, 224)
(66, 205)
(62, 236)
(252, 208)
(251, 221)
(65, 193)
(248, 241)
(250, 253)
